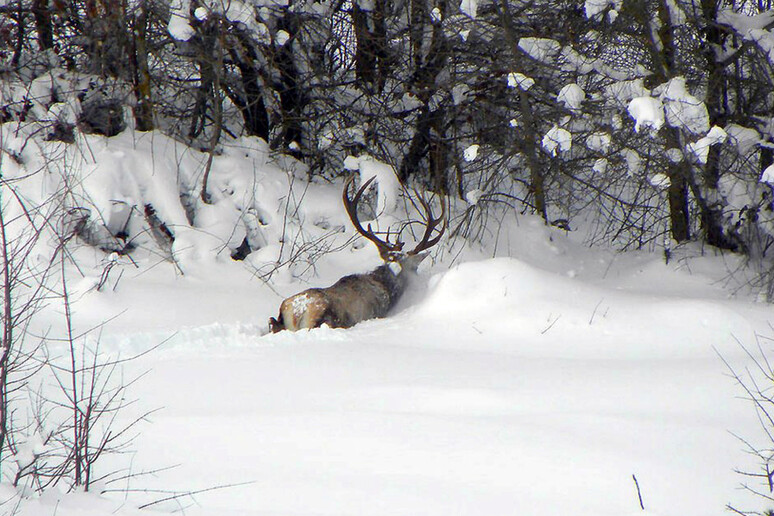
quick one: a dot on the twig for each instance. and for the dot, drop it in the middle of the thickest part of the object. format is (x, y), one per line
(591, 320)
(639, 494)
(192, 493)
(551, 325)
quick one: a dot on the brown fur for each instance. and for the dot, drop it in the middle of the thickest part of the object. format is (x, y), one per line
(350, 300)
(359, 297)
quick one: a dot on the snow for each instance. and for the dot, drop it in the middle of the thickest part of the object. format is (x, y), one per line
(675, 155)
(571, 96)
(519, 80)
(752, 28)
(646, 112)
(700, 148)
(540, 49)
(743, 22)
(473, 196)
(469, 7)
(471, 153)
(599, 142)
(682, 109)
(673, 105)
(299, 305)
(600, 166)
(240, 12)
(633, 161)
(281, 37)
(476, 398)
(660, 180)
(528, 374)
(178, 26)
(767, 176)
(593, 8)
(386, 180)
(624, 91)
(744, 138)
(556, 140)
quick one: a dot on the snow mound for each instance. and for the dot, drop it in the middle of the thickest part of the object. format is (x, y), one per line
(505, 304)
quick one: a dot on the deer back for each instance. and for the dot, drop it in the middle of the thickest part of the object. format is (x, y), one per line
(352, 299)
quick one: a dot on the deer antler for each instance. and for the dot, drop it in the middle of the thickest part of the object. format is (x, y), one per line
(431, 223)
(386, 249)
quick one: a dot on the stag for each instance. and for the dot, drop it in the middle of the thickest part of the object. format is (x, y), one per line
(358, 297)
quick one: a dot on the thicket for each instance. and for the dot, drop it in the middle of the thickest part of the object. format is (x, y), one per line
(539, 92)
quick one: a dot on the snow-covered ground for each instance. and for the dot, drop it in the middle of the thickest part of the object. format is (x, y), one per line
(537, 382)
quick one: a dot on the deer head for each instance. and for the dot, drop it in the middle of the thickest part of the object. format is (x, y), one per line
(358, 297)
(393, 252)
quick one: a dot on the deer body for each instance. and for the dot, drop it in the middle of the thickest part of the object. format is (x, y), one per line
(352, 299)
(358, 297)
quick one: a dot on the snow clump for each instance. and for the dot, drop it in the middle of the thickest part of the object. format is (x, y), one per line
(557, 138)
(682, 109)
(519, 80)
(471, 153)
(178, 26)
(472, 197)
(571, 96)
(469, 7)
(386, 179)
(593, 8)
(540, 49)
(660, 180)
(700, 148)
(646, 112)
(598, 142)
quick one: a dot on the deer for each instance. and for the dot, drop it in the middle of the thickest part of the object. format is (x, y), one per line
(358, 297)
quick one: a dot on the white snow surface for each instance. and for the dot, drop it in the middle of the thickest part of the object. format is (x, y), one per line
(534, 376)
(599, 141)
(593, 8)
(672, 104)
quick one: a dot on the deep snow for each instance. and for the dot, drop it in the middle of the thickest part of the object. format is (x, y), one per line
(536, 382)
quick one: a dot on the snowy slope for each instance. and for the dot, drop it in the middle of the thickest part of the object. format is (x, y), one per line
(502, 388)
(537, 382)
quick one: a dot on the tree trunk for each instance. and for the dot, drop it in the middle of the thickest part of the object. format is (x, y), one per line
(249, 100)
(677, 194)
(530, 149)
(708, 197)
(291, 91)
(371, 52)
(430, 123)
(141, 79)
(42, 15)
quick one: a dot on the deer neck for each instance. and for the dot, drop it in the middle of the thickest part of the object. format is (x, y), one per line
(393, 277)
